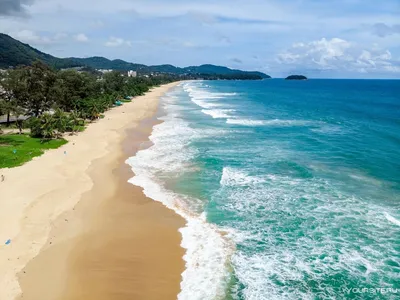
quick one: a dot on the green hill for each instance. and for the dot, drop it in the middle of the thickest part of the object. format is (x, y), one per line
(104, 63)
(212, 69)
(97, 62)
(14, 53)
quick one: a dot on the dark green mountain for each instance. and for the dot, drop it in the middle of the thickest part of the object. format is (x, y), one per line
(211, 69)
(97, 62)
(14, 53)
(103, 63)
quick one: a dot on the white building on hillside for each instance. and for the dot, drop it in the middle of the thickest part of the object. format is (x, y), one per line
(132, 74)
(104, 71)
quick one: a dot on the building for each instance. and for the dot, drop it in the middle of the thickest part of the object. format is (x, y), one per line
(78, 69)
(132, 74)
(104, 71)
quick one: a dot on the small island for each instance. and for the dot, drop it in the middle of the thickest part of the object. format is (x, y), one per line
(296, 77)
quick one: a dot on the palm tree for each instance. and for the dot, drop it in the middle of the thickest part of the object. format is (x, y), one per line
(60, 122)
(93, 110)
(75, 121)
(47, 127)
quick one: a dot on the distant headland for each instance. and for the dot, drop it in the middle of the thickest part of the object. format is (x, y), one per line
(296, 77)
(13, 53)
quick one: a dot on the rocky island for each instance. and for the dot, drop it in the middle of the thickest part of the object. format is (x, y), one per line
(296, 77)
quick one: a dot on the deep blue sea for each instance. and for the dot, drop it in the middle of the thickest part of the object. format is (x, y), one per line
(290, 189)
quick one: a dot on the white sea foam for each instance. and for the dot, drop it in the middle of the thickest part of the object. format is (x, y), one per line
(392, 219)
(274, 122)
(218, 113)
(207, 251)
(297, 221)
(204, 97)
(245, 122)
(234, 177)
(205, 104)
(207, 257)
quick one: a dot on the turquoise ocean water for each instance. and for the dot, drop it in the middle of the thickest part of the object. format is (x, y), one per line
(290, 189)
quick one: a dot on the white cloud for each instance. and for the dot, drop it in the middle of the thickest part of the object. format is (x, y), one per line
(29, 36)
(38, 39)
(81, 37)
(338, 54)
(322, 53)
(118, 42)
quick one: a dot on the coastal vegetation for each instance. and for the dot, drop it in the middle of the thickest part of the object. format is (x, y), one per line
(49, 103)
(62, 100)
(46, 97)
(296, 77)
(14, 53)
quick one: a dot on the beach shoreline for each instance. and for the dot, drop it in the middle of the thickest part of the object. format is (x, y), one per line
(83, 226)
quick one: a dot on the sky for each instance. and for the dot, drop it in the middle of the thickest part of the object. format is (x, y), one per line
(317, 38)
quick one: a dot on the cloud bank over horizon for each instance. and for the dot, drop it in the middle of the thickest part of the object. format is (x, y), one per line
(342, 38)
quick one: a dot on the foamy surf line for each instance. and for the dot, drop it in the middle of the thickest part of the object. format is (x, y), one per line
(274, 122)
(207, 252)
(218, 113)
(208, 100)
(392, 219)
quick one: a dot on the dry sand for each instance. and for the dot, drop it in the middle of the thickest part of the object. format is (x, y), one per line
(78, 230)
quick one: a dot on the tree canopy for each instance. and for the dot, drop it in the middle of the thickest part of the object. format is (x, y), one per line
(60, 100)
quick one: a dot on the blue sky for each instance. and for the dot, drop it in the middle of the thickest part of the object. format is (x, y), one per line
(336, 38)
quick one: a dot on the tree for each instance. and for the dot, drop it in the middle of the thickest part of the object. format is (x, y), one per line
(3, 110)
(70, 86)
(113, 82)
(93, 111)
(43, 126)
(60, 122)
(37, 88)
(10, 103)
(48, 130)
(74, 122)
(74, 96)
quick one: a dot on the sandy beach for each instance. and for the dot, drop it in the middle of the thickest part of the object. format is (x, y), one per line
(78, 229)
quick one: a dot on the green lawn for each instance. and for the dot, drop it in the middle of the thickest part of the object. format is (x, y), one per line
(16, 149)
